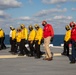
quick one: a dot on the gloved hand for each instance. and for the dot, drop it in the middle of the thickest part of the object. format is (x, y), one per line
(39, 42)
(31, 41)
(42, 41)
(52, 39)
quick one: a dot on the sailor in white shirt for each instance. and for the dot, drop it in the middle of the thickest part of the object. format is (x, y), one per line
(10, 35)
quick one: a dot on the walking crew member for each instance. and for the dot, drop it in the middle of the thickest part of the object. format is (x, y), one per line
(3, 46)
(48, 34)
(2, 36)
(24, 34)
(13, 44)
(73, 40)
(67, 39)
(10, 36)
(38, 38)
(18, 39)
(31, 38)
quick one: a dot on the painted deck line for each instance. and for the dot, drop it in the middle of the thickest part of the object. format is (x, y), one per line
(60, 47)
(10, 56)
(16, 56)
(57, 47)
(55, 54)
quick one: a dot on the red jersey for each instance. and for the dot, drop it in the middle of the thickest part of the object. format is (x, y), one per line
(73, 33)
(48, 31)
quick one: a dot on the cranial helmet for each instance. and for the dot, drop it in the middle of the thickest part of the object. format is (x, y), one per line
(36, 25)
(44, 22)
(67, 27)
(22, 25)
(72, 24)
(30, 26)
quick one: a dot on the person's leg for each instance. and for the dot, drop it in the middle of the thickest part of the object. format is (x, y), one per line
(21, 48)
(38, 51)
(47, 48)
(14, 46)
(64, 48)
(2, 43)
(67, 49)
(25, 50)
(4, 46)
(73, 52)
(64, 51)
(10, 40)
(46, 55)
(18, 47)
(31, 48)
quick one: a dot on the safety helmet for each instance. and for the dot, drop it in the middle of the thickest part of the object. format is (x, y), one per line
(67, 27)
(30, 26)
(22, 25)
(11, 27)
(72, 24)
(36, 25)
(44, 22)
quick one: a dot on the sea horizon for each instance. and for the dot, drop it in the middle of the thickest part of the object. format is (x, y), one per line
(57, 40)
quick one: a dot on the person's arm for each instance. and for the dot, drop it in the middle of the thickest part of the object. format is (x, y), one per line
(52, 31)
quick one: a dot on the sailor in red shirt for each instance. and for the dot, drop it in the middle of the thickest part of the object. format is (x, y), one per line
(73, 41)
(48, 31)
(48, 34)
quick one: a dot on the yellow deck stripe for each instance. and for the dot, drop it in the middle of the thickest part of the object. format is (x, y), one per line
(16, 56)
(10, 56)
(55, 54)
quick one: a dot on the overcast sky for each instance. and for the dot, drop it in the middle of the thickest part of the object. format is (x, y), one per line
(56, 12)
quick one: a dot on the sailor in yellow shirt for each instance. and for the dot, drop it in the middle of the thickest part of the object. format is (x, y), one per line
(38, 38)
(24, 34)
(1, 35)
(18, 39)
(13, 44)
(67, 39)
(31, 38)
(2, 38)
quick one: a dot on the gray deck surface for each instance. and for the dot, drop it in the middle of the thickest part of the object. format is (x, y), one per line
(23, 65)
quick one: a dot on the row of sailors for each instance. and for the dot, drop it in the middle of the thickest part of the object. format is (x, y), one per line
(19, 37)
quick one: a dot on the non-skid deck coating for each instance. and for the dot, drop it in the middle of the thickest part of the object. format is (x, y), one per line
(23, 65)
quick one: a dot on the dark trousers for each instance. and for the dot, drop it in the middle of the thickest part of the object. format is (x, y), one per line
(23, 49)
(10, 40)
(66, 47)
(2, 45)
(32, 50)
(18, 46)
(13, 46)
(37, 49)
(73, 50)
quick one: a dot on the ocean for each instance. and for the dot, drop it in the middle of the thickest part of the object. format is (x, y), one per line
(57, 40)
